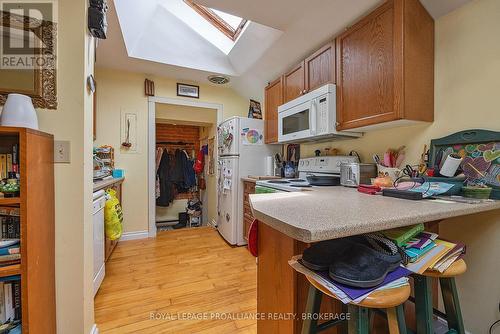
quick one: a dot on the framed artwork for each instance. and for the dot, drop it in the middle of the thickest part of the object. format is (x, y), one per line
(188, 90)
(254, 111)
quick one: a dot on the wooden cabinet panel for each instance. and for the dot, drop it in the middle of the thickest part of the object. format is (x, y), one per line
(365, 65)
(385, 67)
(293, 82)
(320, 67)
(248, 188)
(273, 99)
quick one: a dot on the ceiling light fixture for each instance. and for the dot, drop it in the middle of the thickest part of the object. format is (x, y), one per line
(218, 79)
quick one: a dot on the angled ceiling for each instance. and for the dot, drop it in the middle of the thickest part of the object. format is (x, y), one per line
(173, 33)
(306, 25)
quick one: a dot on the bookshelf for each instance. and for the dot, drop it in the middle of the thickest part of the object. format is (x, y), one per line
(36, 219)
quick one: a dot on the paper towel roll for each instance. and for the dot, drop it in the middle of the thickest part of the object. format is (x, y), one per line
(450, 165)
(270, 165)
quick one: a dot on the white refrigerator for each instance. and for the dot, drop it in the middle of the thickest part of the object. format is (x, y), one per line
(242, 152)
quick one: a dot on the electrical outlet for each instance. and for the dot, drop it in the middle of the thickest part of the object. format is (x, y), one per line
(62, 151)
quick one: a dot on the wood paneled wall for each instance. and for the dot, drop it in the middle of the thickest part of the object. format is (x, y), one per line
(179, 133)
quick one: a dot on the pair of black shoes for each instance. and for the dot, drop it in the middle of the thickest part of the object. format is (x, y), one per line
(360, 261)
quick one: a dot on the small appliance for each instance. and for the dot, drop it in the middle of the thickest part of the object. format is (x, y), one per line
(242, 152)
(311, 117)
(353, 174)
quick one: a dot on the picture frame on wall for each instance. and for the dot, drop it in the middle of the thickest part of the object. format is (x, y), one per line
(186, 90)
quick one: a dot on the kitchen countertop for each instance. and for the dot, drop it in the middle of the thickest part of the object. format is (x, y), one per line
(336, 212)
(98, 185)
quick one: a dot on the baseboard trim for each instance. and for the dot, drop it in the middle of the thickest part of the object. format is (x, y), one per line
(94, 329)
(134, 235)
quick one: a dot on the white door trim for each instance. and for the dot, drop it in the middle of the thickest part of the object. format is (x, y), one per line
(152, 100)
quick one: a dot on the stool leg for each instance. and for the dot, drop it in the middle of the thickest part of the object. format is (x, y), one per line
(452, 304)
(360, 322)
(396, 320)
(310, 324)
(423, 304)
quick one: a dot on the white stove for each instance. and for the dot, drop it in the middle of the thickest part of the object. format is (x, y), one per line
(287, 185)
(317, 166)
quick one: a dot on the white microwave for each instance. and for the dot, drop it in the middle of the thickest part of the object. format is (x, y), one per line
(311, 117)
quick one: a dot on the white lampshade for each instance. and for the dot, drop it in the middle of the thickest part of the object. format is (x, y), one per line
(18, 111)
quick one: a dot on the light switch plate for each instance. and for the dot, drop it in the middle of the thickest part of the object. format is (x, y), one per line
(62, 151)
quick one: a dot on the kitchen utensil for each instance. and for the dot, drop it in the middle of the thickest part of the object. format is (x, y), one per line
(376, 159)
(410, 172)
(127, 142)
(354, 174)
(387, 159)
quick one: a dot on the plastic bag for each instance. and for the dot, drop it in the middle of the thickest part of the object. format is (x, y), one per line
(113, 216)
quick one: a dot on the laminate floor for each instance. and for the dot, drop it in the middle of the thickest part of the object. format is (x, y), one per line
(183, 281)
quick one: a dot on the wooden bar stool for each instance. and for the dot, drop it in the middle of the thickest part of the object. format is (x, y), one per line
(390, 300)
(423, 299)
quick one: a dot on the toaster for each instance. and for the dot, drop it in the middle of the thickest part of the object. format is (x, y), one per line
(353, 174)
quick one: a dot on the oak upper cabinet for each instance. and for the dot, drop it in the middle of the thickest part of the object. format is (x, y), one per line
(385, 67)
(320, 67)
(313, 72)
(273, 99)
(293, 82)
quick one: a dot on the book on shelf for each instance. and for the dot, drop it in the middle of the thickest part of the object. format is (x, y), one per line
(3, 166)
(10, 300)
(9, 250)
(10, 227)
(9, 211)
(10, 258)
(401, 235)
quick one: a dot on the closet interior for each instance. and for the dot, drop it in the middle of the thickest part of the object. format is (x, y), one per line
(180, 176)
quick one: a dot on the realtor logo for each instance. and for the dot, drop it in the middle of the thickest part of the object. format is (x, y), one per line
(28, 38)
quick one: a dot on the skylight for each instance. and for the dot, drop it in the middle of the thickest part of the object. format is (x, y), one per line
(228, 24)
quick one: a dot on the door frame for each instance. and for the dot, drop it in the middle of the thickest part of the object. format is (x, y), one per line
(152, 100)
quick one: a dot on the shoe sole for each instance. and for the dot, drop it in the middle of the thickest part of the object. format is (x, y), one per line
(358, 283)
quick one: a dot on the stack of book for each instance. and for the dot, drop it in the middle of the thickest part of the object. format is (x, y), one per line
(10, 304)
(9, 242)
(425, 250)
(10, 252)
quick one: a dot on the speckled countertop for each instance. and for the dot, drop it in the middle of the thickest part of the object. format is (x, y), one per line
(98, 185)
(335, 212)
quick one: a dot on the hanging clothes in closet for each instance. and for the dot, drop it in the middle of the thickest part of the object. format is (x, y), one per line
(175, 174)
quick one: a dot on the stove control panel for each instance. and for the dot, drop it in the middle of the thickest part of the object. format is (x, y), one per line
(329, 164)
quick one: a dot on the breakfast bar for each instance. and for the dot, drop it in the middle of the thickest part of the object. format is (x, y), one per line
(290, 221)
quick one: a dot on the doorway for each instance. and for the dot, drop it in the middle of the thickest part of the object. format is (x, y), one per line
(197, 121)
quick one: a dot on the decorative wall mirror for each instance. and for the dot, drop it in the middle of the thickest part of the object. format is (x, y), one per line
(28, 59)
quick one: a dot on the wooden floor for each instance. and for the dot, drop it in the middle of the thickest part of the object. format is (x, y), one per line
(191, 271)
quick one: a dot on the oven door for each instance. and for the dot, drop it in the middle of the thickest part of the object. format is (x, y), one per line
(298, 122)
